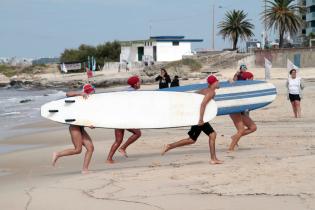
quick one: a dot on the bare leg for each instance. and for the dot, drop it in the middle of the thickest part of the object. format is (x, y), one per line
(87, 142)
(294, 109)
(214, 159)
(136, 135)
(250, 124)
(240, 127)
(298, 108)
(179, 143)
(119, 135)
(76, 138)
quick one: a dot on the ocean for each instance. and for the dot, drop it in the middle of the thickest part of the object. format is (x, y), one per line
(21, 106)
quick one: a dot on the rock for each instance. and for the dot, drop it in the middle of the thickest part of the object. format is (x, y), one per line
(25, 101)
(4, 81)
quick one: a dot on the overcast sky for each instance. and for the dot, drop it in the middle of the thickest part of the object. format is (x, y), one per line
(40, 28)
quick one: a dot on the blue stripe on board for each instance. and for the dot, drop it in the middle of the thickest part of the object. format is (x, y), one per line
(238, 109)
(245, 95)
(224, 84)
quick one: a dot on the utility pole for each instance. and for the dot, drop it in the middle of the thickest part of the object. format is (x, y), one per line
(213, 7)
(150, 28)
(265, 33)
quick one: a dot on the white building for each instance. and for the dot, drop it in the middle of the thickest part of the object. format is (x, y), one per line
(157, 48)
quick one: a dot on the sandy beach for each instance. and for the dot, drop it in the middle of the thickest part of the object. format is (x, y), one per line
(272, 169)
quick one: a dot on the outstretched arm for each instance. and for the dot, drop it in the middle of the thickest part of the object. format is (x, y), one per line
(73, 94)
(203, 106)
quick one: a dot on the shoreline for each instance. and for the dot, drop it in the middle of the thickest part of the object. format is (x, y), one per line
(272, 169)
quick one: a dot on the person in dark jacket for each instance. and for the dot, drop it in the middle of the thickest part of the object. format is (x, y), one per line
(175, 82)
(164, 79)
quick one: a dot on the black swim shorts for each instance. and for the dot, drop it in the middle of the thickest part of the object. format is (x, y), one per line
(294, 97)
(196, 130)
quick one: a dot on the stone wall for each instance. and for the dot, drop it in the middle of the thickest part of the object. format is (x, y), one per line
(279, 57)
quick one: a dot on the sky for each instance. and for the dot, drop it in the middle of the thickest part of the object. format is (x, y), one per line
(44, 28)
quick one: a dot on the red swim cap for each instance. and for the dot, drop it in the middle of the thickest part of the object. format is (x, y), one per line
(88, 89)
(247, 75)
(133, 80)
(212, 79)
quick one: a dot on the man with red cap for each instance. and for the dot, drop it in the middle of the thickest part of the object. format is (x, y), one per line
(134, 83)
(78, 135)
(242, 122)
(195, 130)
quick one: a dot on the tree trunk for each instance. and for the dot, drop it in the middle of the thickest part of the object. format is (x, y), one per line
(281, 34)
(235, 42)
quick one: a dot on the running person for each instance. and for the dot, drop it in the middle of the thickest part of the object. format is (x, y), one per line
(195, 130)
(134, 83)
(78, 135)
(242, 121)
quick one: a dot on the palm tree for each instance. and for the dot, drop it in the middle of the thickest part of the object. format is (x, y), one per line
(235, 26)
(283, 16)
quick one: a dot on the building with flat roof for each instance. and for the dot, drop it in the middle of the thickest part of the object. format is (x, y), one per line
(156, 49)
(310, 16)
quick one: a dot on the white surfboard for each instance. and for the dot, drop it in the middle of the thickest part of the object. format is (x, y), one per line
(130, 109)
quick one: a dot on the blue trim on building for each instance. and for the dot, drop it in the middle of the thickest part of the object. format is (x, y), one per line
(167, 37)
(179, 40)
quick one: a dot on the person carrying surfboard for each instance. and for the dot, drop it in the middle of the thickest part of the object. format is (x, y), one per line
(135, 84)
(195, 130)
(242, 121)
(78, 135)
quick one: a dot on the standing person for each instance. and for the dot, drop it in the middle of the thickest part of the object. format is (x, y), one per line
(195, 130)
(164, 79)
(134, 83)
(242, 121)
(295, 86)
(78, 135)
(239, 74)
(175, 82)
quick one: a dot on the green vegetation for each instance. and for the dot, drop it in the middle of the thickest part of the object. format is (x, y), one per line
(10, 71)
(110, 51)
(7, 70)
(283, 16)
(235, 26)
(193, 64)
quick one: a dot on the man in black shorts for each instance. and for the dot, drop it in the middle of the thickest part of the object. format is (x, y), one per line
(195, 130)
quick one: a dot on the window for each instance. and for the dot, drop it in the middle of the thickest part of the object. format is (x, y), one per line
(176, 43)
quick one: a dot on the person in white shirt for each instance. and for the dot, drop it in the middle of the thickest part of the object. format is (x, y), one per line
(295, 86)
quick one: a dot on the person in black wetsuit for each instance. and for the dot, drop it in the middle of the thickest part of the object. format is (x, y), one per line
(164, 79)
(175, 82)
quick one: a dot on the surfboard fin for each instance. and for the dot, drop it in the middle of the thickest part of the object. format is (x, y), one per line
(69, 101)
(69, 120)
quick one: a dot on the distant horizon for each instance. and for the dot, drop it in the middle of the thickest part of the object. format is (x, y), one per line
(45, 28)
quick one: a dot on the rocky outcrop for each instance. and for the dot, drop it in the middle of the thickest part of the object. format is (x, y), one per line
(4, 81)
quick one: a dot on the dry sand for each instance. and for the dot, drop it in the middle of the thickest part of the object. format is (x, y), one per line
(273, 168)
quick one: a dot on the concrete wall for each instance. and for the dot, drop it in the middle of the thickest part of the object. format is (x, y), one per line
(279, 57)
(167, 52)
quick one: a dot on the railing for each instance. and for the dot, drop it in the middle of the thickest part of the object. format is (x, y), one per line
(310, 16)
(310, 3)
(117, 66)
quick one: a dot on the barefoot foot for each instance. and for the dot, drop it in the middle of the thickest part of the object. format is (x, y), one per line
(123, 152)
(54, 159)
(165, 148)
(214, 162)
(85, 171)
(110, 161)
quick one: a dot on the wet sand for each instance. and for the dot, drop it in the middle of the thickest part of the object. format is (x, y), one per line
(272, 169)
